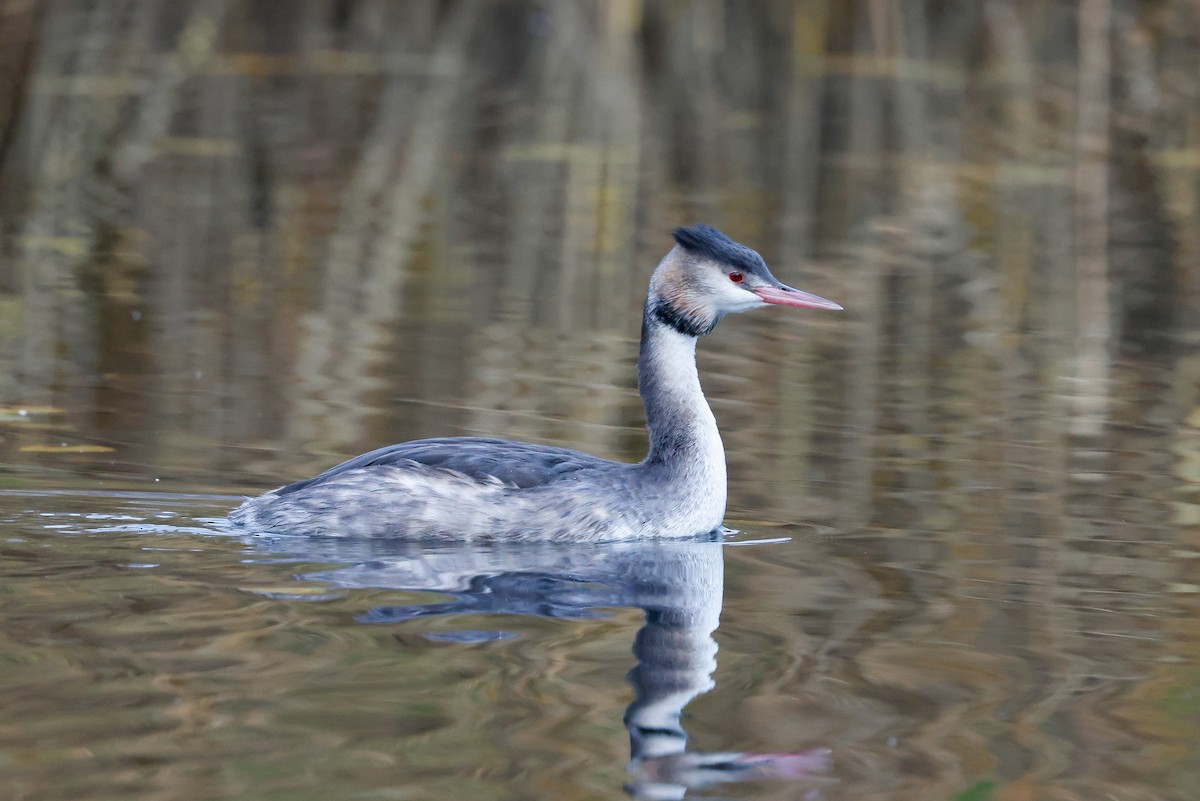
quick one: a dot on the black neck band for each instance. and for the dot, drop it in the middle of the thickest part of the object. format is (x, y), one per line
(668, 315)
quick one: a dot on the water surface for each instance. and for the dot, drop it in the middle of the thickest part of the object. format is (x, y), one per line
(240, 242)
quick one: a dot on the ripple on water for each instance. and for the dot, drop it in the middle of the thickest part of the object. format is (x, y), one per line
(137, 649)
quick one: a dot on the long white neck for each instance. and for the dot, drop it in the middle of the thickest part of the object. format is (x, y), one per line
(683, 432)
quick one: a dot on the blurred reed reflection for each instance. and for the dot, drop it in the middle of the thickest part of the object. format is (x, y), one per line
(241, 240)
(678, 585)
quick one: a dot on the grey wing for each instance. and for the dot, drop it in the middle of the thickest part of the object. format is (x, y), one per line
(520, 464)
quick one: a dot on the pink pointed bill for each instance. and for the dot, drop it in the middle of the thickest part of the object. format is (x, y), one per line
(786, 296)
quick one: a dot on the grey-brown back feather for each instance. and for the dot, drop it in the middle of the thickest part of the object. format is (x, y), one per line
(517, 464)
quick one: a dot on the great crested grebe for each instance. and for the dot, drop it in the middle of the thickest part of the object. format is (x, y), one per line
(461, 488)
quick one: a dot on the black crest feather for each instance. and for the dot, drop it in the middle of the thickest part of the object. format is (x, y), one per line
(706, 241)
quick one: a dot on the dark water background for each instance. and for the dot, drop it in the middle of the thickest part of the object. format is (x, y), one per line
(240, 241)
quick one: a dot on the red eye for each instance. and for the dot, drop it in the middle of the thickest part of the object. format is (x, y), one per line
(736, 278)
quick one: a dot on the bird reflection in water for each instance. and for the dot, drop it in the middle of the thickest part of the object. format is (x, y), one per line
(678, 584)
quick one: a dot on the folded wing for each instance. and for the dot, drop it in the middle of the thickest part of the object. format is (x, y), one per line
(518, 464)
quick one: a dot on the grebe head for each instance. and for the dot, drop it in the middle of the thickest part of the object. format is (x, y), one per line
(708, 275)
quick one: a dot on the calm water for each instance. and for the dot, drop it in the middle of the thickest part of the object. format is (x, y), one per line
(242, 241)
(147, 657)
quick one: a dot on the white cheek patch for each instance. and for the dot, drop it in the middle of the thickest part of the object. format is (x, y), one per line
(723, 295)
(736, 298)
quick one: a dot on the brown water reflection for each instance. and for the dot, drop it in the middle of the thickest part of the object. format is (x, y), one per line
(155, 660)
(239, 241)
